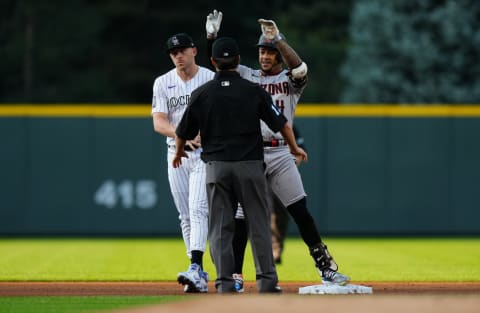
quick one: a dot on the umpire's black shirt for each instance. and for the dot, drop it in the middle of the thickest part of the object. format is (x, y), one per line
(227, 111)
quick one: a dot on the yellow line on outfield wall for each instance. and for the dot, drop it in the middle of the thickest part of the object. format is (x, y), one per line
(79, 110)
(306, 110)
(388, 111)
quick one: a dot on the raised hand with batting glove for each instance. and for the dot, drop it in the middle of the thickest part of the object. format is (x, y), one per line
(272, 37)
(270, 30)
(212, 26)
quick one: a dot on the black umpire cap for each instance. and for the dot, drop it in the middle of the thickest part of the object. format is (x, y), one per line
(225, 47)
(181, 40)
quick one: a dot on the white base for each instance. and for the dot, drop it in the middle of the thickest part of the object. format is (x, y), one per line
(331, 289)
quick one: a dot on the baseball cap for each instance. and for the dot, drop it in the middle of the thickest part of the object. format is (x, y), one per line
(225, 47)
(181, 40)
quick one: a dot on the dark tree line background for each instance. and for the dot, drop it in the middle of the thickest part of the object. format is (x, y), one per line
(415, 52)
(358, 51)
(92, 51)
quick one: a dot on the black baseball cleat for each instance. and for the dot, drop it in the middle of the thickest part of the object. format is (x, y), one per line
(275, 289)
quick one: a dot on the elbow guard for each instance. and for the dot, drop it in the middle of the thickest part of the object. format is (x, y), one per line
(300, 71)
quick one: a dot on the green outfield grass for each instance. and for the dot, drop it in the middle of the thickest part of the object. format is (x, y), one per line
(139, 259)
(78, 304)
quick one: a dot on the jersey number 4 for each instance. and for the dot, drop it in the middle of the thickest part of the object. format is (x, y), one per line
(280, 105)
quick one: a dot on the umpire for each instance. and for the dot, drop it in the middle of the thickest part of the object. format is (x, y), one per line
(227, 112)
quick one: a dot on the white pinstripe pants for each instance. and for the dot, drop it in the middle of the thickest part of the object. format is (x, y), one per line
(187, 185)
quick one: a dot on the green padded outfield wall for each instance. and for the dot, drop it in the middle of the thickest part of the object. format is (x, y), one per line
(372, 170)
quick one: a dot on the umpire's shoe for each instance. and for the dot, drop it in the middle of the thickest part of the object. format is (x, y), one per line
(194, 279)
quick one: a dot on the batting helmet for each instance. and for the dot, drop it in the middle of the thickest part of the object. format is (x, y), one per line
(264, 42)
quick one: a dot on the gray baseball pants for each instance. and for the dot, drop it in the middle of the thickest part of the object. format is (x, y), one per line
(227, 184)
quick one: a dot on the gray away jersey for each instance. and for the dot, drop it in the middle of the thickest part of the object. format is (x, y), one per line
(284, 95)
(171, 94)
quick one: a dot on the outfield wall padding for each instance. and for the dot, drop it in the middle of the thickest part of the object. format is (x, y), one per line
(365, 176)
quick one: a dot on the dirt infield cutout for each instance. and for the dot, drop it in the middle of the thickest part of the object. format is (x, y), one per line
(319, 303)
(425, 297)
(173, 288)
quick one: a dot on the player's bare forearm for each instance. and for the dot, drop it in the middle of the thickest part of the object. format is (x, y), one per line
(290, 57)
(179, 152)
(162, 126)
(288, 135)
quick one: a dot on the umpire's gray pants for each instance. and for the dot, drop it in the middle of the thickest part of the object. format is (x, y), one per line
(227, 184)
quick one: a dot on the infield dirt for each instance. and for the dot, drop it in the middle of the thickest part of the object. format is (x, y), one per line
(425, 297)
(173, 288)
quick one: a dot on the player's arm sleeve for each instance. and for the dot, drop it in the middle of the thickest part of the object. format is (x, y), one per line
(298, 83)
(244, 71)
(159, 100)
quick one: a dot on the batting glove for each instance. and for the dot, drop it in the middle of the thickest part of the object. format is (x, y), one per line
(213, 23)
(270, 30)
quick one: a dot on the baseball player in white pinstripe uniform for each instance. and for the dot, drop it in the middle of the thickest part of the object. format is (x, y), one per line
(285, 87)
(171, 93)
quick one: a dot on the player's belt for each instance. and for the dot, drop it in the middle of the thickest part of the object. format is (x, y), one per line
(187, 148)
(275, 143)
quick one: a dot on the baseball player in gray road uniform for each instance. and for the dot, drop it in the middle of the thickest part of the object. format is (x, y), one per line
(171, 93)
(279, 221)
(285, 87)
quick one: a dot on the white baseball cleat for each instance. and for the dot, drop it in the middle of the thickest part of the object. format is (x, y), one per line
(194, 279)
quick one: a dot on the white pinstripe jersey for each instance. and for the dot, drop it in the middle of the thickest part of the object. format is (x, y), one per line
(171, 94)
(283, 93)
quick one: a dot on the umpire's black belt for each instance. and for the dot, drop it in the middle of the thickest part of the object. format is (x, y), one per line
(187, 147)
(275, 143)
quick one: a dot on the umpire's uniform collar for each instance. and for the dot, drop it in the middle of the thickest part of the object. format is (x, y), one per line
(225, 74)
